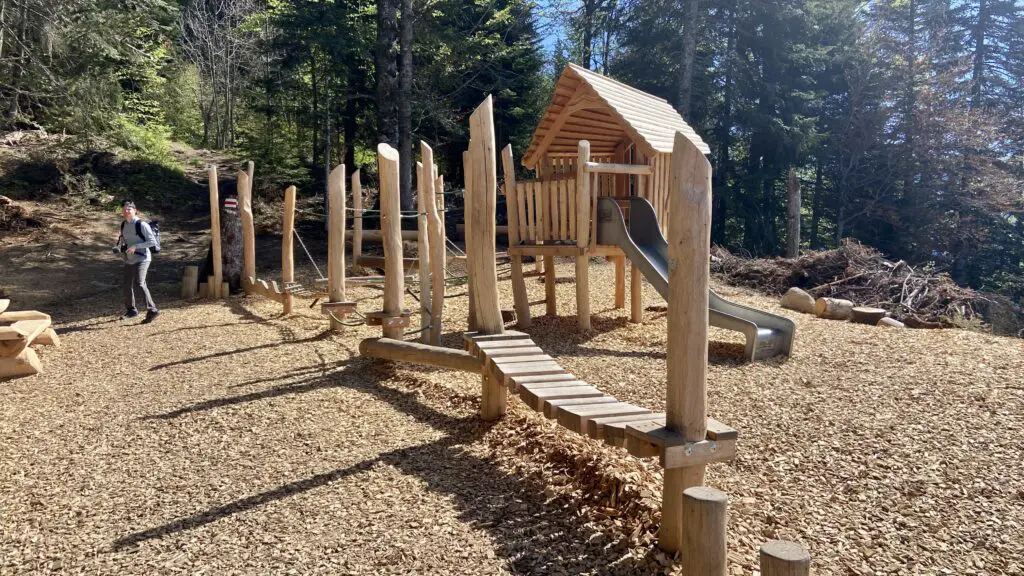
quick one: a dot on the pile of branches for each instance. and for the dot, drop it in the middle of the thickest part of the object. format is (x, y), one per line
(14, 217)
(862, 275)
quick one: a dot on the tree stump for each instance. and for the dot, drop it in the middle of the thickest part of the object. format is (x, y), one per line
(866, 315)
(833, 308)
(797, 299)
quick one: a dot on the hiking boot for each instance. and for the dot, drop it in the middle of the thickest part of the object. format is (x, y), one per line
(129, 314)
(150, 316)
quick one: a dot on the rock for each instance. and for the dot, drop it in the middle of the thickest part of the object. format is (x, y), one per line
(797, 299)
(890, 323)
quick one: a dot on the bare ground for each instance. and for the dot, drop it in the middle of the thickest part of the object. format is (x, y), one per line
(225, 439)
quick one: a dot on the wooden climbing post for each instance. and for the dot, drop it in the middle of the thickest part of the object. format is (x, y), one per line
(436, 245)
(583, 235)
(519, 297)
(480, 245)
(704, 546)
(781, 558)
(620, 281)
(467, 171)
(248, 232)
(689, 251)
(391, 226)
(288, 248)
(336, 239)
(424, 185)
(218, 264)
(357, 219)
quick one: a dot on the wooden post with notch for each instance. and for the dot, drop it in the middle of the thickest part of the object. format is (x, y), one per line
(435, 241)
(336, 240)
(248, 232)
(357, 219)
(583, 236)
(689, 251)
(218, 264)
(288, 248)
(519, 297)
(424, 184)
(391, 225)
(480, 245)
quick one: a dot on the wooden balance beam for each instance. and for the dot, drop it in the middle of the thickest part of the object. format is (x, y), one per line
(416, 353)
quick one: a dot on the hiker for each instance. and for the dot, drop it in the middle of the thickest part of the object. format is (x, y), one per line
(134, 245)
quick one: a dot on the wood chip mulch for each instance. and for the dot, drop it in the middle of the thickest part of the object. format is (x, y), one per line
(223, 439)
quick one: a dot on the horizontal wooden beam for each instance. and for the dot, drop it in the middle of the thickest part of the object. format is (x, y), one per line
(417, 353)
(605, 168)
(377, 236)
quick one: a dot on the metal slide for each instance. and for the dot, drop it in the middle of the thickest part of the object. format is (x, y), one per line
(767, 334)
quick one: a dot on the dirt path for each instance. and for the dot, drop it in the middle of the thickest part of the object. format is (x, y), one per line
(223, 439)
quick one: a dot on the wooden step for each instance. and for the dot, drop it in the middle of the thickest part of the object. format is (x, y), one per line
(17, 336)
(503, 373)
(551, 407)
(516, 382)
(535, 398)
(501, 361)
(575, 418)
(614, 427)
(652, 438)
(472, 340)
(16, 315)
(526, 349)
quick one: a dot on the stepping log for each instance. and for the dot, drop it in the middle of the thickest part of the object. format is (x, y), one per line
(551, 407)
(535, 398)
(503, 373)
(833, 308)
(575, 418)
(597, 427)
(866, 315)
(542, 381)
(797, 299)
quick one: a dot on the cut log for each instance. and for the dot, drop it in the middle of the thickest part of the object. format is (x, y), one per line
(417, 353)
(833, 308)
(866, 315)
(915, 322)
(890, 323)
(189, 282)
(797, 299)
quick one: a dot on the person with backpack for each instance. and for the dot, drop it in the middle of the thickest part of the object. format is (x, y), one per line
(135, 244)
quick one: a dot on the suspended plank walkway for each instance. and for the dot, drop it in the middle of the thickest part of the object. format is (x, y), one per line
(515, 361)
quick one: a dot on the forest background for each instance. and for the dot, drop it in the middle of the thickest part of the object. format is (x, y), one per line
(902, 119)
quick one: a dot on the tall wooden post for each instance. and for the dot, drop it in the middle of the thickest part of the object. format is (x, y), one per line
(519, 297)
(288, 248)
(793, 216)
(467, 201)
(250, 170)
(689, 250)
(583, 236)
(218, 264)
(391, 225)
(620, 281)
(424, 184)
(357, 219)
(480, 246)
(248, 232)
(704, 544)
(336, 239)
(436, 245)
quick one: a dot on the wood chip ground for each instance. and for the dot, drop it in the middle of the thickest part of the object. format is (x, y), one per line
(223, 439)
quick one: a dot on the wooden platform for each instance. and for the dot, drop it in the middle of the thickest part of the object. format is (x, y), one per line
(18, 331)
(514, 360)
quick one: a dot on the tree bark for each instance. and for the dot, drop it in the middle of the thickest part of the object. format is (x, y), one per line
(793, 216)
(720, 203)
(386, 63)
(817, 203)
(405, 152)
(977, 76)
(690, 18)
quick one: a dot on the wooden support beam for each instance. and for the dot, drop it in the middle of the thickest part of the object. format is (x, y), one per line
(467, 181)
(583, 236)
(620, 281)
(336, 240)
(419, 353)
(288, 246)
(357, 219)
(424, 182)
(211, 175)
(512, 203)
(248, 229)
(390, 203)
(689, 249)
(704, 545)
(605, 168)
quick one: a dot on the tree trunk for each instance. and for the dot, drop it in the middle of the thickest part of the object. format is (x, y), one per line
(818, 204)
(793, 216)
(3, 27)
(720, 202)
(589, 10)
(351, 113)
(690, 17)
(405, 156)
(977, 76)
(314, 139)
(386, 63)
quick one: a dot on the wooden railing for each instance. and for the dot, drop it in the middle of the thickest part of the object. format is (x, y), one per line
(546, 210)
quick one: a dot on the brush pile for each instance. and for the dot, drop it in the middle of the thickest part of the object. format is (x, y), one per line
(861, 274)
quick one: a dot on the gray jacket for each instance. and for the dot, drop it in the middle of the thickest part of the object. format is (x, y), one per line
(142, 245)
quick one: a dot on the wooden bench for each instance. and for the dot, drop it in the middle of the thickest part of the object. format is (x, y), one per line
(514, 360)
(18, 331)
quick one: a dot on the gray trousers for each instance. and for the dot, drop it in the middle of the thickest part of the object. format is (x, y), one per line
(135, 277)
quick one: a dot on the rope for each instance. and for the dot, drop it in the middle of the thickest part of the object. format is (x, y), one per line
(308, 255)
(420, 331)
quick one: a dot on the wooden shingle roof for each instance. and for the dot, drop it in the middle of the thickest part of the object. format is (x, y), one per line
(589, 106)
